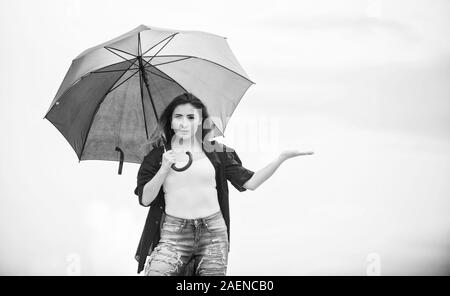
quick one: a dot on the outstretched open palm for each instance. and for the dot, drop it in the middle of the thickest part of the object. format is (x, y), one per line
(286, 154)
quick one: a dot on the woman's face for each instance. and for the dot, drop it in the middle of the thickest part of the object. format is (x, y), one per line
(186, 120)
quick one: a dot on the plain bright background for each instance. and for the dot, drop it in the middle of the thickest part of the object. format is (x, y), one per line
(363, 84)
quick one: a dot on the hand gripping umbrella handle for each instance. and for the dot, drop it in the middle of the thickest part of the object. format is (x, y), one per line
(189, 154)
(186, 166)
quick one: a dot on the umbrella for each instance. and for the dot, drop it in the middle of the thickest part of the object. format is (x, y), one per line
(113, 93)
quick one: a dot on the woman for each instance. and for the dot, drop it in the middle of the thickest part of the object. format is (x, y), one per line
(187, 230)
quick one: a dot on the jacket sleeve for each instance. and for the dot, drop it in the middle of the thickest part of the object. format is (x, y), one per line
(148, 169)
(234, 171)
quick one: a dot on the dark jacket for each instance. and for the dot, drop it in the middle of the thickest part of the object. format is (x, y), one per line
(227, 166)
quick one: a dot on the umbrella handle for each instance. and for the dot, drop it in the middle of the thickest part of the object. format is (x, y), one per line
(189, 154)
(186, 166)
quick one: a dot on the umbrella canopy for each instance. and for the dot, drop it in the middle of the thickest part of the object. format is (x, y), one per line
(113, 93)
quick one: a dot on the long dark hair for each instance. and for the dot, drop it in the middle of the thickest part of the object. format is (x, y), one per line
(163, 132)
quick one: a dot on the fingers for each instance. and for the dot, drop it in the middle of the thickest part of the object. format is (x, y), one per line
(306, 153)
(169, 156)
(298, 153)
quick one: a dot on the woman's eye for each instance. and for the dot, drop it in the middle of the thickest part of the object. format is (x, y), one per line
(190, 117)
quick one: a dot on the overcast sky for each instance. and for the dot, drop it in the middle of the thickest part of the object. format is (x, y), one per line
(363, 84)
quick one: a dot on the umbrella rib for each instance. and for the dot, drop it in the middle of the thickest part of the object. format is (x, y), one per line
(171, 80)
(224, 68)
(120, 70)
(205, 61)
(109, 49)
(171, 37)
(96, 110)
(185, 58)
(123, 81)
(153, 65)
(78, 80)
(133, 55)
(148, 62)
(144, 66)
(89, 73)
